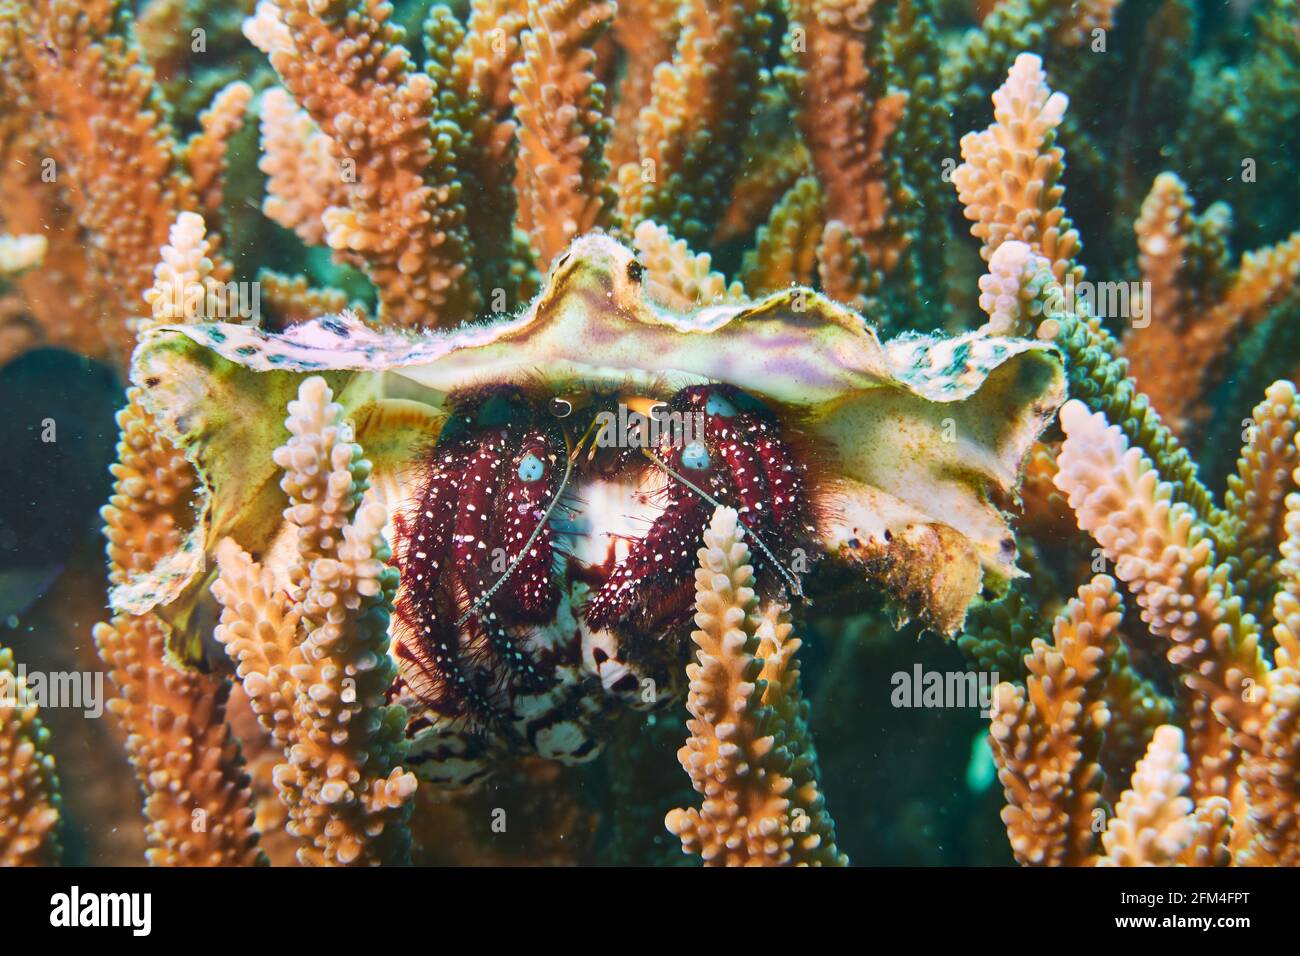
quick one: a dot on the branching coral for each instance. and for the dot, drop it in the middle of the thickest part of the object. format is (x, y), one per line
(29, 785)
(1023, 293)
(1048, 740)
(186, 287)
(646, 30)
(312, 651)
(848, 120)
(843, 269)
(483, 61)
(674, 276)
(786, 247)
(1270, 772)
(197, 799)
(290, 300)
(1183, 258)
(1009, 183)
(552, 687)
(1256, 497)
(558, 106)
(459, 165)
(684, 168)
(150, 512)
(749, 752)
(1166, 558)
(1270, 776)
(303, 177)
(862, 85)
(1194, 569)
(404, 216)
(105, 153)
(196, 49)
(1047, 736)
(1242, 709)
(1156, 823)
(205, 152)
(1198, 304)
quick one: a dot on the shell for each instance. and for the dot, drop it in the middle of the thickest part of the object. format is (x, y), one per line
(919, 440)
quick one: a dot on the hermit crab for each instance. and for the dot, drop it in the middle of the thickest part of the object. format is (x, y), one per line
(548, 477)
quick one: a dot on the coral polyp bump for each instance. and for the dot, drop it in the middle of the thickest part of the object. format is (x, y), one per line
(547, 578)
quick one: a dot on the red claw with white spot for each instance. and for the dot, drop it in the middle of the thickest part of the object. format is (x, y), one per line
(736, 461)
(531, 482)
(499, 621)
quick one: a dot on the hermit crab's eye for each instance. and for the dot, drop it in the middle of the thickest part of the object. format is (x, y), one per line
(695, 456)
(635, 271)
(561, 407)
(719, 405)
(530, 469)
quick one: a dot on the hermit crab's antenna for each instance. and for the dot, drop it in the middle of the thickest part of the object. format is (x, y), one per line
(789, 577)
(569, 458)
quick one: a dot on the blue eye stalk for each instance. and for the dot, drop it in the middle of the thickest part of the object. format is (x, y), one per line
(531, 469)
(719, 405)
(695, 457)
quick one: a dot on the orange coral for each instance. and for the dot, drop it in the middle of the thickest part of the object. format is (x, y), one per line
(29, 798)
(1269, 774)
(205, 151)
(187, 284)
(160, 31)
(1197, 306)
(767, 175)
(45, 304)
(558, 108)
(684, 166)
(1044, 508)
(1183, 261)
(1085, 17)
(197, 797)
(196, 794)
(481, 75)
(1047, 736)
(646, 31)
(674, 276)
(104, 152)
(1257, 495)
(847, 122)
(303, 178)
(1156, 823)
(842, 266)
(490, 49)
(291, 300)
(1010, 180)
(311, 652)
(1264, 278)
(749, 752)
(150, 510)
(785, 252)
(1161, 553)
(355, 79)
